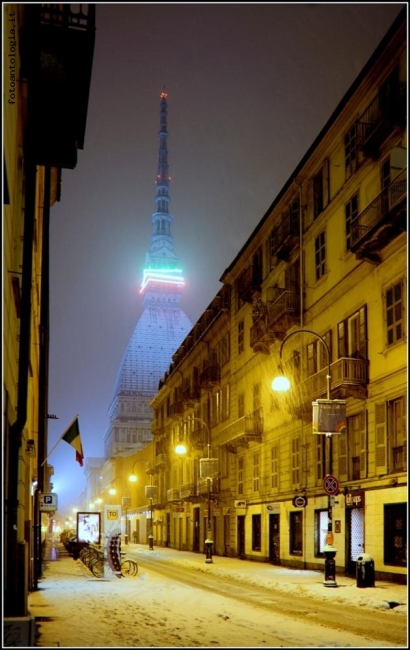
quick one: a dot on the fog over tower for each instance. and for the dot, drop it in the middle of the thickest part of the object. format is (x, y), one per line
(160, 330)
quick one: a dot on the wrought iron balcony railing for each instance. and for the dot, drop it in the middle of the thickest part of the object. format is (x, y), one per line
(248, 428)
(210, 377)
(386, 111)
(173, 494)
(382, 219)
(349, 378)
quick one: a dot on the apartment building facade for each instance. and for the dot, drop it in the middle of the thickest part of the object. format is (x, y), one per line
(319, 289)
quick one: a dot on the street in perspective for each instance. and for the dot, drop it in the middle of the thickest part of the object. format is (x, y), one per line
(176, 599)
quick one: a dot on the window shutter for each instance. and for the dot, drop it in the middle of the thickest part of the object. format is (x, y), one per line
(326, 183)
(342, 438)
(363, 444)
(363, 333)
(341, 340)
(380, 428)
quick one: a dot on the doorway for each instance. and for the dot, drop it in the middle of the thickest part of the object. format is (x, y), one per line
(274, 539)
(196, 531)
(241, 536)
(355, 538)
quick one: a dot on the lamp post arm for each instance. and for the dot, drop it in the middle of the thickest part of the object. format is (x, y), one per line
(327, 352)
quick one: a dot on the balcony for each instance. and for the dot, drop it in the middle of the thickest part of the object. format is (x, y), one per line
(188, 492)
(384, 219)
(203, 486)
(176, 410)
(249, 283)
(173, 495)
(210, 377)
(160, 462)
(349, 378)
(240, 433)
(385, 113)
(57, 62)
(191, 396)
(281, 315)
(286, 235)
(198, 438)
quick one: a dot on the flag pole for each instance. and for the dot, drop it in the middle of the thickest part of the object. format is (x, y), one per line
(60, 438)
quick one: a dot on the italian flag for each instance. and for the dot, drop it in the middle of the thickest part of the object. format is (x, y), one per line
(72, 436)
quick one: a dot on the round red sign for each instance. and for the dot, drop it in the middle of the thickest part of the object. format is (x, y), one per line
(331, 484)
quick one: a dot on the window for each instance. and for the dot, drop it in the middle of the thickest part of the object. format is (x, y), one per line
(295, 461)
(317, 356)
(321, 189)
(256, 532)
(222, 351)
(320, 532)
(396, 425)
(296, 533)
(356, 433)
(395, 534)
(352, 336)
(350, 152)
(240, 475)
(391, 436)
(274, 467)
(351, 212)
(257, 403)
(241, 332)
(320, 255)
(256, 460)
(394, 313)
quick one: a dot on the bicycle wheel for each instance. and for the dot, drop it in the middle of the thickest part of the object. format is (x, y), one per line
(126, 568)
(97, 567)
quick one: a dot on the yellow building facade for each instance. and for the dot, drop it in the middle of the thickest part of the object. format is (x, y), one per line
(319, 289)
(44, 103)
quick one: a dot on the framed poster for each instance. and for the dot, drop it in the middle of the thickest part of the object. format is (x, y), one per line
(89, 527)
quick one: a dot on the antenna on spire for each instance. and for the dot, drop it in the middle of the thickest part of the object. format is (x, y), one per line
(164, 94)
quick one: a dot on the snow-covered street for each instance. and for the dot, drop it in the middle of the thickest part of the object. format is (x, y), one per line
(74, 609)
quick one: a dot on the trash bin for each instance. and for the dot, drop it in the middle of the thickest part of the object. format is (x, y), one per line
(365, 571)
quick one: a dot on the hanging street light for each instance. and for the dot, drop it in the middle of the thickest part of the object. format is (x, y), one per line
(328, 409)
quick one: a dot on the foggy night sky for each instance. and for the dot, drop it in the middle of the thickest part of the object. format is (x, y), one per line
(249, 87)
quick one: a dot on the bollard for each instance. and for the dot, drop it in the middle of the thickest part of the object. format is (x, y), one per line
(208, 551)
(330, 566)
(151, 542)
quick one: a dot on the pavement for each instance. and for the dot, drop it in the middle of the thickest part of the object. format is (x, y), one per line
(384, 595)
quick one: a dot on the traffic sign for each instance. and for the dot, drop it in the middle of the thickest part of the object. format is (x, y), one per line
(48, 502)
(331, 484)
(299, 501)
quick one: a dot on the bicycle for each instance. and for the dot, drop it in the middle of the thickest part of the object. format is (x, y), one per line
(129, 568)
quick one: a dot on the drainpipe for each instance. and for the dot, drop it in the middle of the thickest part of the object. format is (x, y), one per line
(43, 375)
(15, 576)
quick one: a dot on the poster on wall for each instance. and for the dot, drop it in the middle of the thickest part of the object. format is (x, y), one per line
(89, 527)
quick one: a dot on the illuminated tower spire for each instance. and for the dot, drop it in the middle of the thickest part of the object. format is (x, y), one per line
(162, 269)
(160, 330)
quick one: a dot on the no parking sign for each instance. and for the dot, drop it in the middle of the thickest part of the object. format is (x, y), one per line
(331, 484)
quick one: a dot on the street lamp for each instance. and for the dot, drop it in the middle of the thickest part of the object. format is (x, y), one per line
(282, 383)
(208, 467)
(149, 491)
